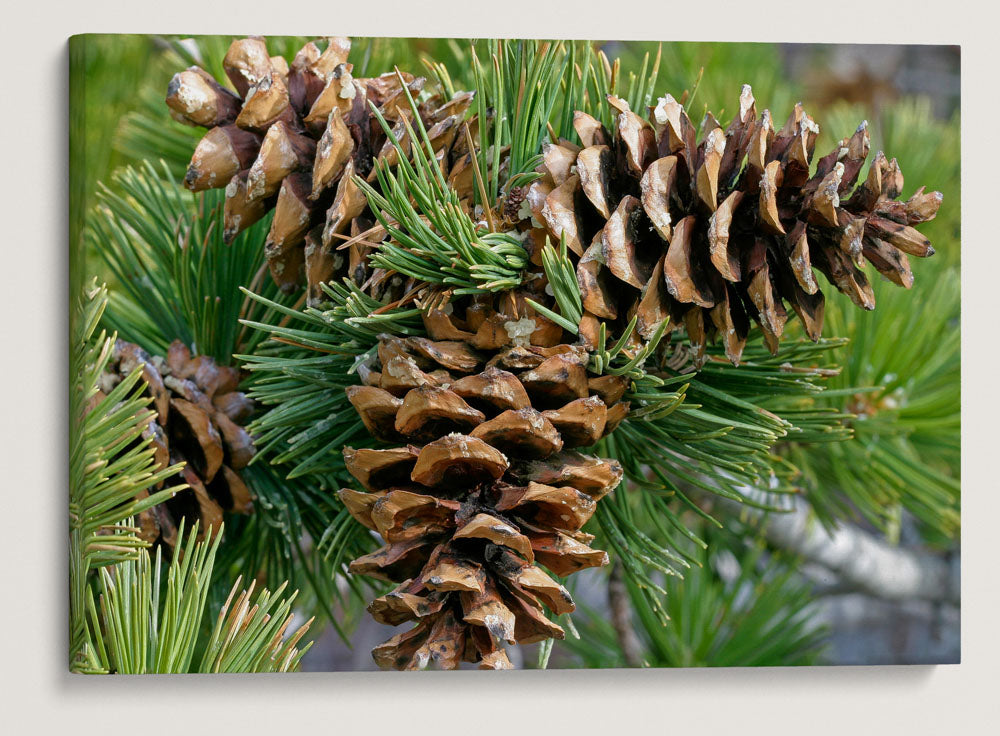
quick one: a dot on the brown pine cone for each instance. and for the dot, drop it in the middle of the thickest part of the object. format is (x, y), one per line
(483, 486)
(291, 139)
(717, 233)
(199, 413)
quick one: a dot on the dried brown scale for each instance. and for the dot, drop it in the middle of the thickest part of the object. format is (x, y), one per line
(483, 487)
(199, 413)
(291, 138)
(716, 229)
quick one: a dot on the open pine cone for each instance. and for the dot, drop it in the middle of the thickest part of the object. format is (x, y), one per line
(198, 416)
(292, 138)
(717, 233)
(483, 484)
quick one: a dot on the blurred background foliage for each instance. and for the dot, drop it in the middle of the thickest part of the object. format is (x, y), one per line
(746, 605)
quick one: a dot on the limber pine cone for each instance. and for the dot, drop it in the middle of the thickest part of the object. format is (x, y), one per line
(292, 138)
(483, 485)
(715, 234)
(198, 415)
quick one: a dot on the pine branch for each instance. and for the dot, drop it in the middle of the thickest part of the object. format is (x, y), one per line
(711, 431)
(861, 561)
(111, 468)
(518, 88)
(300, 375)
(178, 279)
(344, 540)
(621, 617)
(136, 634)
(252, 637)
(602, 78)
(561, 275)
(283, 541)
(761, 615)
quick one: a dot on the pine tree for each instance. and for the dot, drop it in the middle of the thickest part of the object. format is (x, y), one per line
(516, 343)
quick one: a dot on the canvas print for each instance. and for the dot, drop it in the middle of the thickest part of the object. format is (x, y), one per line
(454, 354)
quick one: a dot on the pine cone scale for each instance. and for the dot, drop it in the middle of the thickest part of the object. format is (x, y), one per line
(198, 410)
(485, 491)
(291, 138)
(655, 202)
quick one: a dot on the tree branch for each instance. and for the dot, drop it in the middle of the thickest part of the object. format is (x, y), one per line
(862, 561)
(621, 617)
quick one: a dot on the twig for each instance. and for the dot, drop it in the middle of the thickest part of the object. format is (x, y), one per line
(621, 617)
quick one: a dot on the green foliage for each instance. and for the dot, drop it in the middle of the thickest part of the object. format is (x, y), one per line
(600, 78)
(561, 275)
(712, 74)
(135, 634)
(516, 93)
(251, 638)
(905, 366)
(111, 467)
(715, 431)
(178, 279)
(767, 424)
(301, 534)
(735, 608)
(616, 360)
(107, 70)
(301, 374)
(433, 239)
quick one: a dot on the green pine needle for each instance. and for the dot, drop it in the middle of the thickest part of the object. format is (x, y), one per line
(111, 464)
(561, 275)
(517, 91)
(178, 279)
(737, 607)
(137, 634)
(432, 239)
(299, 375)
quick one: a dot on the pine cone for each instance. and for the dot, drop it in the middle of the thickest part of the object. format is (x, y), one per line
(483, 484)
(291, 140)
(716, 233)
(198, 416)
